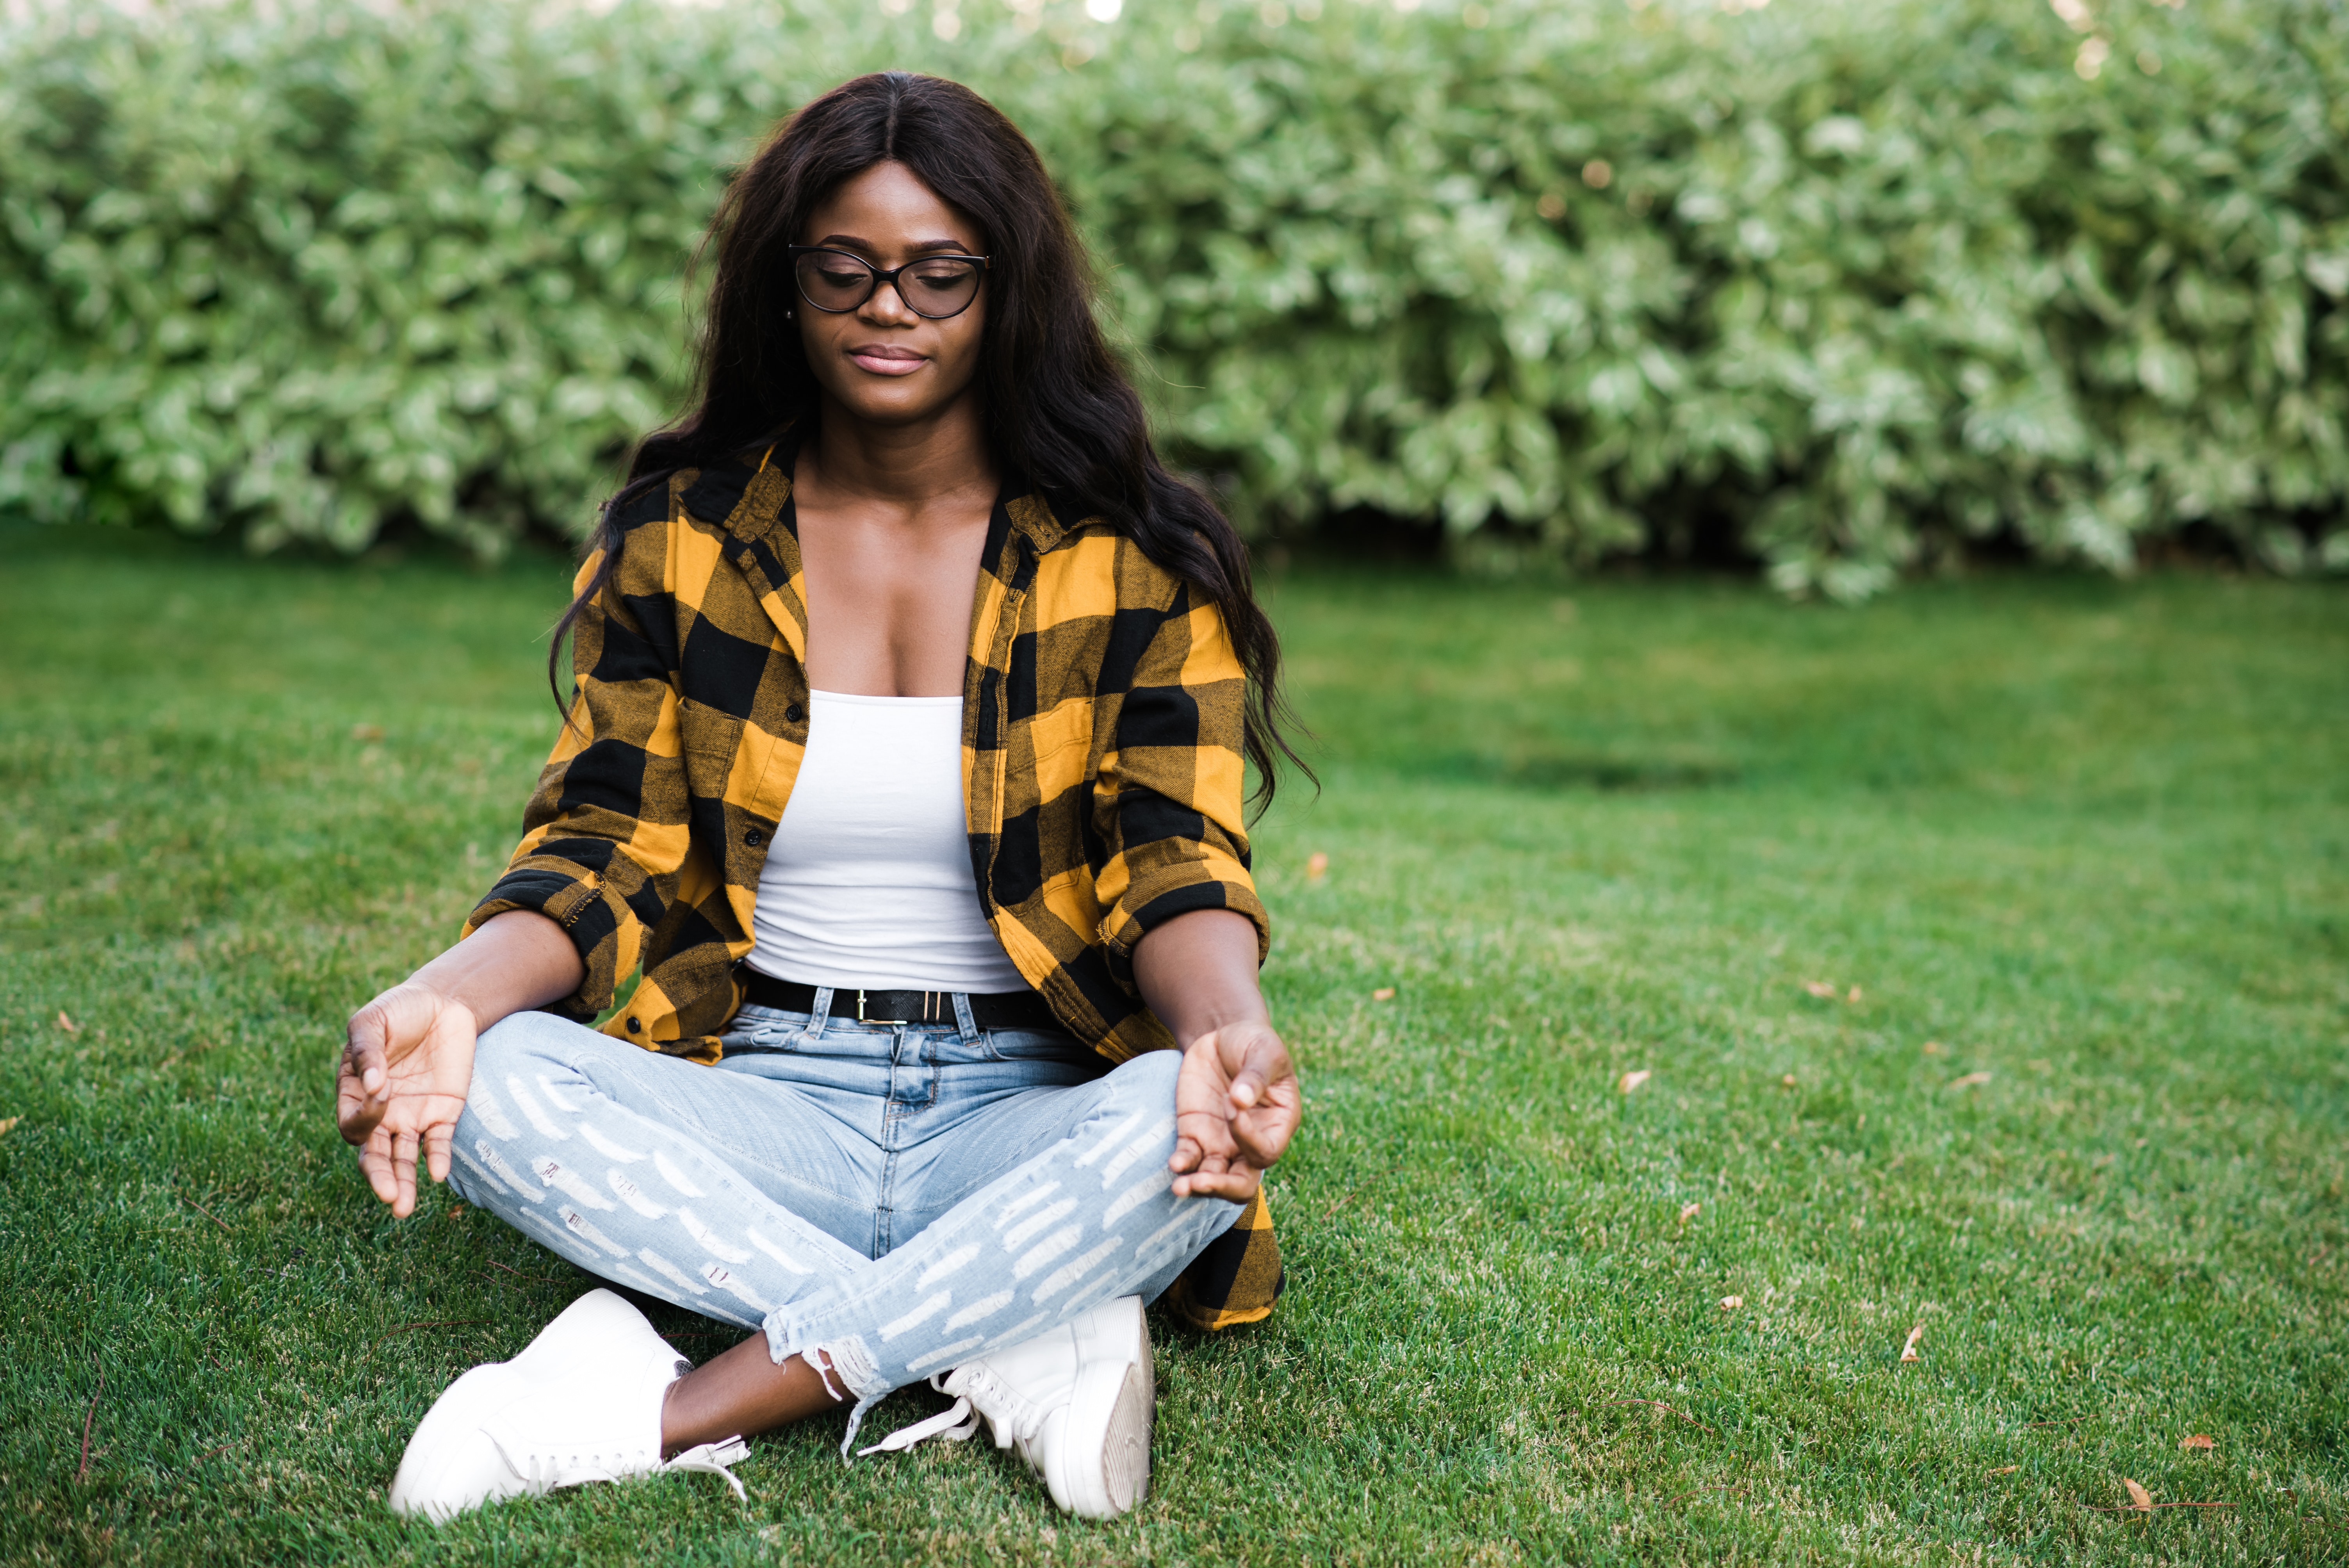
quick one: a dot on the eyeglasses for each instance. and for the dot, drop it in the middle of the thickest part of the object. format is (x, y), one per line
(840, 281)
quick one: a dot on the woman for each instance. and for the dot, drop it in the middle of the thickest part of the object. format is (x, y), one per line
(905, 765)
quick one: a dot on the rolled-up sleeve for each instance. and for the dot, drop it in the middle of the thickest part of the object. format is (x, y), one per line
(1169, 802)
(605, 833)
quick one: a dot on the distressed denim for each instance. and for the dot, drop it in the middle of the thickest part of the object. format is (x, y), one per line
(898, 1197)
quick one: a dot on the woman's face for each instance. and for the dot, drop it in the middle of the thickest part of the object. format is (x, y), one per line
(882, 361)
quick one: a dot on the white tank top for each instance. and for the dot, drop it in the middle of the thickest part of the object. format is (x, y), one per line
(869, 882)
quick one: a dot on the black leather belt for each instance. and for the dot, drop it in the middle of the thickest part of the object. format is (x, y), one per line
(996, 1010)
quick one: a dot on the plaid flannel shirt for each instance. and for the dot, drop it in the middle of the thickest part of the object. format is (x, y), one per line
(1102, 777)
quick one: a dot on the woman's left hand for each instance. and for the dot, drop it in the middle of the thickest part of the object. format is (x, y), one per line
(1236, 1104)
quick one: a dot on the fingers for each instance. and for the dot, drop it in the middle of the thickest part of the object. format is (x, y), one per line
(351, 1118)
(1261, 1140)
(1202, 1140)
(1262, 1134)
(375, 1164)
(1263, 1062)
(387, 1157)
(1206, 1170)
(403, 1175)
(1237, 1105)
(436, 1149)
(1238, 1181)
(365, 1042)
(362, 1088)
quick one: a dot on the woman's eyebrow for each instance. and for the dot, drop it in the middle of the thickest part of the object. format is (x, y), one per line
(852, 243)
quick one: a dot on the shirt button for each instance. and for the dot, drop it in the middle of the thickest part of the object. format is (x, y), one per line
(795, 713)
(754, 838)
(636, 1025)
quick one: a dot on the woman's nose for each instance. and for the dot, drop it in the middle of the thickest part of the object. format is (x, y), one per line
(888, 307)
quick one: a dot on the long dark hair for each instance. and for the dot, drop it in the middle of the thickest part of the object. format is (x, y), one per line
(1058, 407)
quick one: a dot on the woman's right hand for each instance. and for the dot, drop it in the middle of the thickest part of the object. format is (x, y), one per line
(407, 1060)
(407, 1056)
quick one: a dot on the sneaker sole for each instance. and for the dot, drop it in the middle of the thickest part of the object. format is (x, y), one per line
(1117, 1396)
(1125, 1463)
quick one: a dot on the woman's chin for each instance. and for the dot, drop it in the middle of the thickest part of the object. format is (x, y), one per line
(891, 406)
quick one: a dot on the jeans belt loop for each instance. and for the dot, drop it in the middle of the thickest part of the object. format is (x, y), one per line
(963, 1019)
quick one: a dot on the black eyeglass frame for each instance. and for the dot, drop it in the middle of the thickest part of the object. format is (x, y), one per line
(877, 277)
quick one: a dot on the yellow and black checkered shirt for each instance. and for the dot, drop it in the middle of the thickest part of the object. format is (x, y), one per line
(1101, 776)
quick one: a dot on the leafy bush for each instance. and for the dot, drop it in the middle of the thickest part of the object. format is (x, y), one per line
(1851, 288)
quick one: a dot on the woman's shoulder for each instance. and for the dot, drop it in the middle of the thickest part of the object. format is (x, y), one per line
(709, 502)
(706, 496)
(1092, 559)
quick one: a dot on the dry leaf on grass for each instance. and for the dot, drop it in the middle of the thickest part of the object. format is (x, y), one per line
(1633, 1080)
(2003, 1470)
(2141, 1501)
(1384, 994)
(1908, 1351)
(1731, 1303)
(367, 732)
(1853, 994)
(1823, 989)
(1317, 866)
(1935, 1048)
(1972, 1080)
(2198, 1440)
(1688, 1211)
(7, 1122)
(67, 1024)
(1788, 1080)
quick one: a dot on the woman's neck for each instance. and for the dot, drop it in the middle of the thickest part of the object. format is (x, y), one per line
(907, 468)
(892, 523)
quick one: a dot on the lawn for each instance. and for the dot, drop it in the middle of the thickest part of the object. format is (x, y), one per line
(1987, 948)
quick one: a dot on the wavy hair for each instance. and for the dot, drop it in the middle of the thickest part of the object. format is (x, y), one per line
(1059, 410)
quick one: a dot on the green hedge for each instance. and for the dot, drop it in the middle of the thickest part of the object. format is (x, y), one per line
(1853, 285)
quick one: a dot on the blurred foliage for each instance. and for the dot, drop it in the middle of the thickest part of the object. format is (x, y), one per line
(1846, 287)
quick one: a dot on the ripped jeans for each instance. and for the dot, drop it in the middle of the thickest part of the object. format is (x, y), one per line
(900, 1197)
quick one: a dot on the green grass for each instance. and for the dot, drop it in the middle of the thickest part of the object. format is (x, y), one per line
(2091, 839)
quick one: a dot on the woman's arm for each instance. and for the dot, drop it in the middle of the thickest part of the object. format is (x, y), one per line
(408, 1057)
(562, 924)
(1237, 1101)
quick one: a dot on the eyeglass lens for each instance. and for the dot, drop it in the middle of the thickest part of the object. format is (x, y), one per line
(834, 280)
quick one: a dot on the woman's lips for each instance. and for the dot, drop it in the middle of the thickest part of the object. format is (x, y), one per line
(883, 360)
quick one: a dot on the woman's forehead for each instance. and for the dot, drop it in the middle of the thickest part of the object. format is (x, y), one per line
(887, 207)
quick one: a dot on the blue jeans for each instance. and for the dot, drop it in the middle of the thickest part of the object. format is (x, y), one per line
(900, 1197)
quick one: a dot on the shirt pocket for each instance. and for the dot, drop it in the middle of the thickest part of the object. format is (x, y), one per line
(734, 760)
(1060, 745)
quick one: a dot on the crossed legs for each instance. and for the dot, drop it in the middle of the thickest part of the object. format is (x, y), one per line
(727, 1194)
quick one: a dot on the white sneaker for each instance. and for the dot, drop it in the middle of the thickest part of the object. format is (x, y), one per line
(581, 1403)
(1077, 1402)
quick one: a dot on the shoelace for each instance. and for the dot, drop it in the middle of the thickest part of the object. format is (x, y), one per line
(960, 1420)
(548, 1471)
(711, 1459)
(956, 1423)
